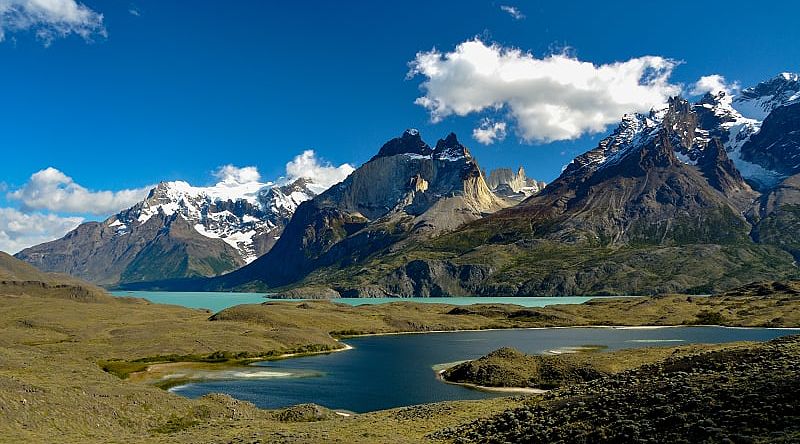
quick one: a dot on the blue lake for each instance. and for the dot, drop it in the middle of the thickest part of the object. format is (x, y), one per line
(216, 301)
(396, 370)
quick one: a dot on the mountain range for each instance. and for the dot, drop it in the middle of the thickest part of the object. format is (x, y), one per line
(694, 197)
(177, 231)
(182, 231)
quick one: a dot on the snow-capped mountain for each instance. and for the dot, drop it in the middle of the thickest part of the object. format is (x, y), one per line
(734, 120)
(758, 101)
(177, 231)
(246, 216)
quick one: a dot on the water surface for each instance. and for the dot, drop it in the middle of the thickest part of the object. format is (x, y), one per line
(396, 370)
(216, 301)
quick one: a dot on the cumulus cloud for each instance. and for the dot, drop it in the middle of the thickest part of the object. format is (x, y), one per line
(19, 230)
(49, 19)
(50, 189)
(489, 132)
(232, 175)
(557, 97)
(323, 174)
(513, 11)
(714, 84)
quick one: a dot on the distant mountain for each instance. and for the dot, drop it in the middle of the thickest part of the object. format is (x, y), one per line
(513, 185)
(408, 193)
(177, 231)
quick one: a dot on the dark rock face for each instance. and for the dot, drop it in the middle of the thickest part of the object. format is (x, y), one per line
(425, 278)
(780, 217)
(777, 145)
(409, 143)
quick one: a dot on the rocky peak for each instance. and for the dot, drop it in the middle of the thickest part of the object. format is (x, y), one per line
(506, 183)
(410, 142)
(716, 115)
(450, 149)
(281, 201)
(680, 121)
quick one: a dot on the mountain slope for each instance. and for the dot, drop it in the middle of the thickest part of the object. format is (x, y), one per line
(177, 231)
(407, 193)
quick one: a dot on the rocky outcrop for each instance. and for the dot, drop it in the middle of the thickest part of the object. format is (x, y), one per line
(508, 367)
(428, 278)
(311, 292)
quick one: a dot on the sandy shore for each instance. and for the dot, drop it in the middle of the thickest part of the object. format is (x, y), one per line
(173, 374)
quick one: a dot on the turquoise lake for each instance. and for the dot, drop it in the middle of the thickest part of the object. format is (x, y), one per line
(216, 301)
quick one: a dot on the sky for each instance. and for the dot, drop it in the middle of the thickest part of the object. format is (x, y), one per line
(102, 99)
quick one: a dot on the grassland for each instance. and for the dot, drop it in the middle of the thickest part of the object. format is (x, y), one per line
(510, 368)
(67, 365)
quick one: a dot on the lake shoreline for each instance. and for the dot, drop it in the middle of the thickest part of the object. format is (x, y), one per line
(617, 327)
(158, 373)
(486, 388)
(172, 384)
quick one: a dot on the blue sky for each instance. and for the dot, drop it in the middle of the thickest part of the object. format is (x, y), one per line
(166, 90)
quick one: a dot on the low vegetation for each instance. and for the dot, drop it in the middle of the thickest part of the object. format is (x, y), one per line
(745, 393)
(507, 367)
(63, 360)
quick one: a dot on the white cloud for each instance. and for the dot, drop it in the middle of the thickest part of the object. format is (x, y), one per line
(323, 174)
(49, 19)
(489, 132)
(50, 189)
(553, 98)
(513, 11)
(229, 174)
(714, 84)
(19, 230)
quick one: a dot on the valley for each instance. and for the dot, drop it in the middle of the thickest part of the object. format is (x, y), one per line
(54, 351)
(399, 222)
